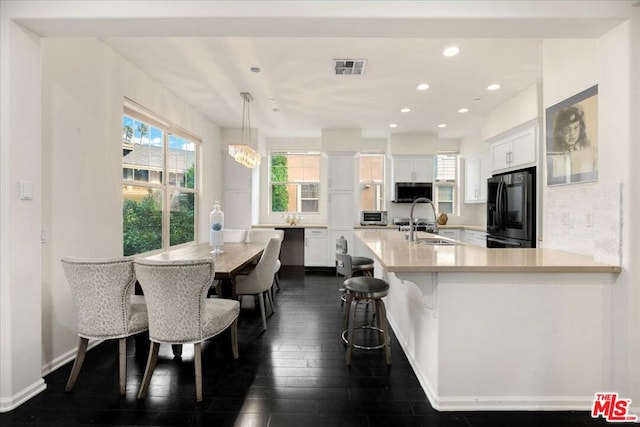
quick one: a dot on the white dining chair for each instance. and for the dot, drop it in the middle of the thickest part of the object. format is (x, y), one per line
(263, 235)
(180, 312)
(107, 309)
(260, 279)
(234, 235)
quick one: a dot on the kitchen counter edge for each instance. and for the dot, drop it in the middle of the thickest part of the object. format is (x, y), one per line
(397, 255)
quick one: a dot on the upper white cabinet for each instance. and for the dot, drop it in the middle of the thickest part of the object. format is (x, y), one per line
(477, 170)
(412, 169)
(341, 176)
(516, 150)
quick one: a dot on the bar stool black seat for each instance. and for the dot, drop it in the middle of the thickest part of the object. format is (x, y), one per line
(371, 289)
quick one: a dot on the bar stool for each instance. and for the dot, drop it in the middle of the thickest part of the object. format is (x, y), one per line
(349, 266)
(358, 289)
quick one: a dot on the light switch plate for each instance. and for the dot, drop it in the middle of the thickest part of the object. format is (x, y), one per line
(26, 189)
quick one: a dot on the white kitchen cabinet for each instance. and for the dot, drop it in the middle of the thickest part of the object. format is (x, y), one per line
(341, 172)
(476, 238)
(413, 169)
(341, 209)
(315, 247)
(515, 151)
(477, 170)
(452, 233)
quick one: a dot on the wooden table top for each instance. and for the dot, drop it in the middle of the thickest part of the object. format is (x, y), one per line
(235, 258)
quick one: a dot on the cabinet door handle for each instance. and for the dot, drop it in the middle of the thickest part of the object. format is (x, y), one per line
(506, 157)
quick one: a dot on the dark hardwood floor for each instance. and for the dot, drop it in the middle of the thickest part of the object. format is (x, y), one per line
(291, 375)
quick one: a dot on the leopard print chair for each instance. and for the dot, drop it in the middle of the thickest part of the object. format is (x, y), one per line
(107, 309)
(180, 312)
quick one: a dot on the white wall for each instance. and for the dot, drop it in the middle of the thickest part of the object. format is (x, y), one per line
(605, 62)
(84, 83)
(412, 143)
(20, 274)
(520, 109)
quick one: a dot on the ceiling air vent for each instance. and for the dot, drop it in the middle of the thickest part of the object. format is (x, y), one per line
(346, 67)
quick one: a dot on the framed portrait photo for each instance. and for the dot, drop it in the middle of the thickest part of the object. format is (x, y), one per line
(572, 139)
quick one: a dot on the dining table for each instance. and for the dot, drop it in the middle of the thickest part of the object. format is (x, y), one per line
(234, 259)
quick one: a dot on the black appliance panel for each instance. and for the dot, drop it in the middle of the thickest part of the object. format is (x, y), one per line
(511, 206)
(407, 192)
(499, 242)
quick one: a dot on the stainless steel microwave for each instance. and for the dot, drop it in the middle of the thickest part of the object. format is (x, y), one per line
(373, 218)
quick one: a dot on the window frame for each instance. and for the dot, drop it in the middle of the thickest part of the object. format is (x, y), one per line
(380, 186)
(137, 112)
(454, 183)
(298, 184)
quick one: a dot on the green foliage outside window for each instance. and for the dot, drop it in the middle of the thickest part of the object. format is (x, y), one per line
(142, 220)
(279, 194)
(142, 223)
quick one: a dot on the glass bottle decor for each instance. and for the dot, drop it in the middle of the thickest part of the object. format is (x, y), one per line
(216, 221)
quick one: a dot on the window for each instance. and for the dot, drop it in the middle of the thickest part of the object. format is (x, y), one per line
(445, 188)
(157, 212)
(372, 181)
(294, 182)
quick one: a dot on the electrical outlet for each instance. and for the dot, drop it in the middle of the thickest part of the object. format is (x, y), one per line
(565, 218)
(588, 220)
(44, 235)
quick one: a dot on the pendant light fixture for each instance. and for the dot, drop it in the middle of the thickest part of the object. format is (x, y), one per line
(242, 152)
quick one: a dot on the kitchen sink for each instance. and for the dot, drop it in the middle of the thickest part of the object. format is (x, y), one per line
(436, 242)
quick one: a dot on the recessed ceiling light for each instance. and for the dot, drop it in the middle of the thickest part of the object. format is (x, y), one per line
(393, 125)
(451, 51)
(405, 110)
(442, 125)
(423, 86)
(493, 86)
(255, 70)
(463, 110)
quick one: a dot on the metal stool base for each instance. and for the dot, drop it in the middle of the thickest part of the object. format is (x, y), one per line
(364, 347)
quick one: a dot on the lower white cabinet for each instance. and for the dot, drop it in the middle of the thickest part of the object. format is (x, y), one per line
(315, 247)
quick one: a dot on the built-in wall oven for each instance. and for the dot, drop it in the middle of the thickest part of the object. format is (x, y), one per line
(511, 209)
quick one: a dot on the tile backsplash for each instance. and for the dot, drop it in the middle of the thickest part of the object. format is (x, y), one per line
(584, 219)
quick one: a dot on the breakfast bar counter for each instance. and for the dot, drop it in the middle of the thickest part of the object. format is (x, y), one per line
(395, 254)
(497, 329)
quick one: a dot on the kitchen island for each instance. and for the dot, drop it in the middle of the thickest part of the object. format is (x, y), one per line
(498, 329)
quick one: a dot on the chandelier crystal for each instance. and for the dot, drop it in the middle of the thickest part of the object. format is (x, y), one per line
(243, 153)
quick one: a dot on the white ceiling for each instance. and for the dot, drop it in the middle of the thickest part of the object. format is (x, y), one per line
(298, 79)
(202, 51)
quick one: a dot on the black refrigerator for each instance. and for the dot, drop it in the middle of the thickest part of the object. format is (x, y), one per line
(511, 209)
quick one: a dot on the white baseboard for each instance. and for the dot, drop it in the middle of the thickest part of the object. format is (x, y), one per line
(9, 403)
(492, 403)
(65, 358)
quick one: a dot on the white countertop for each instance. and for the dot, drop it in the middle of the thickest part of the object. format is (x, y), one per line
(398, 255)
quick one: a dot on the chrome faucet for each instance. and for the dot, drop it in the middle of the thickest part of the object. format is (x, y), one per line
(412, 237)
